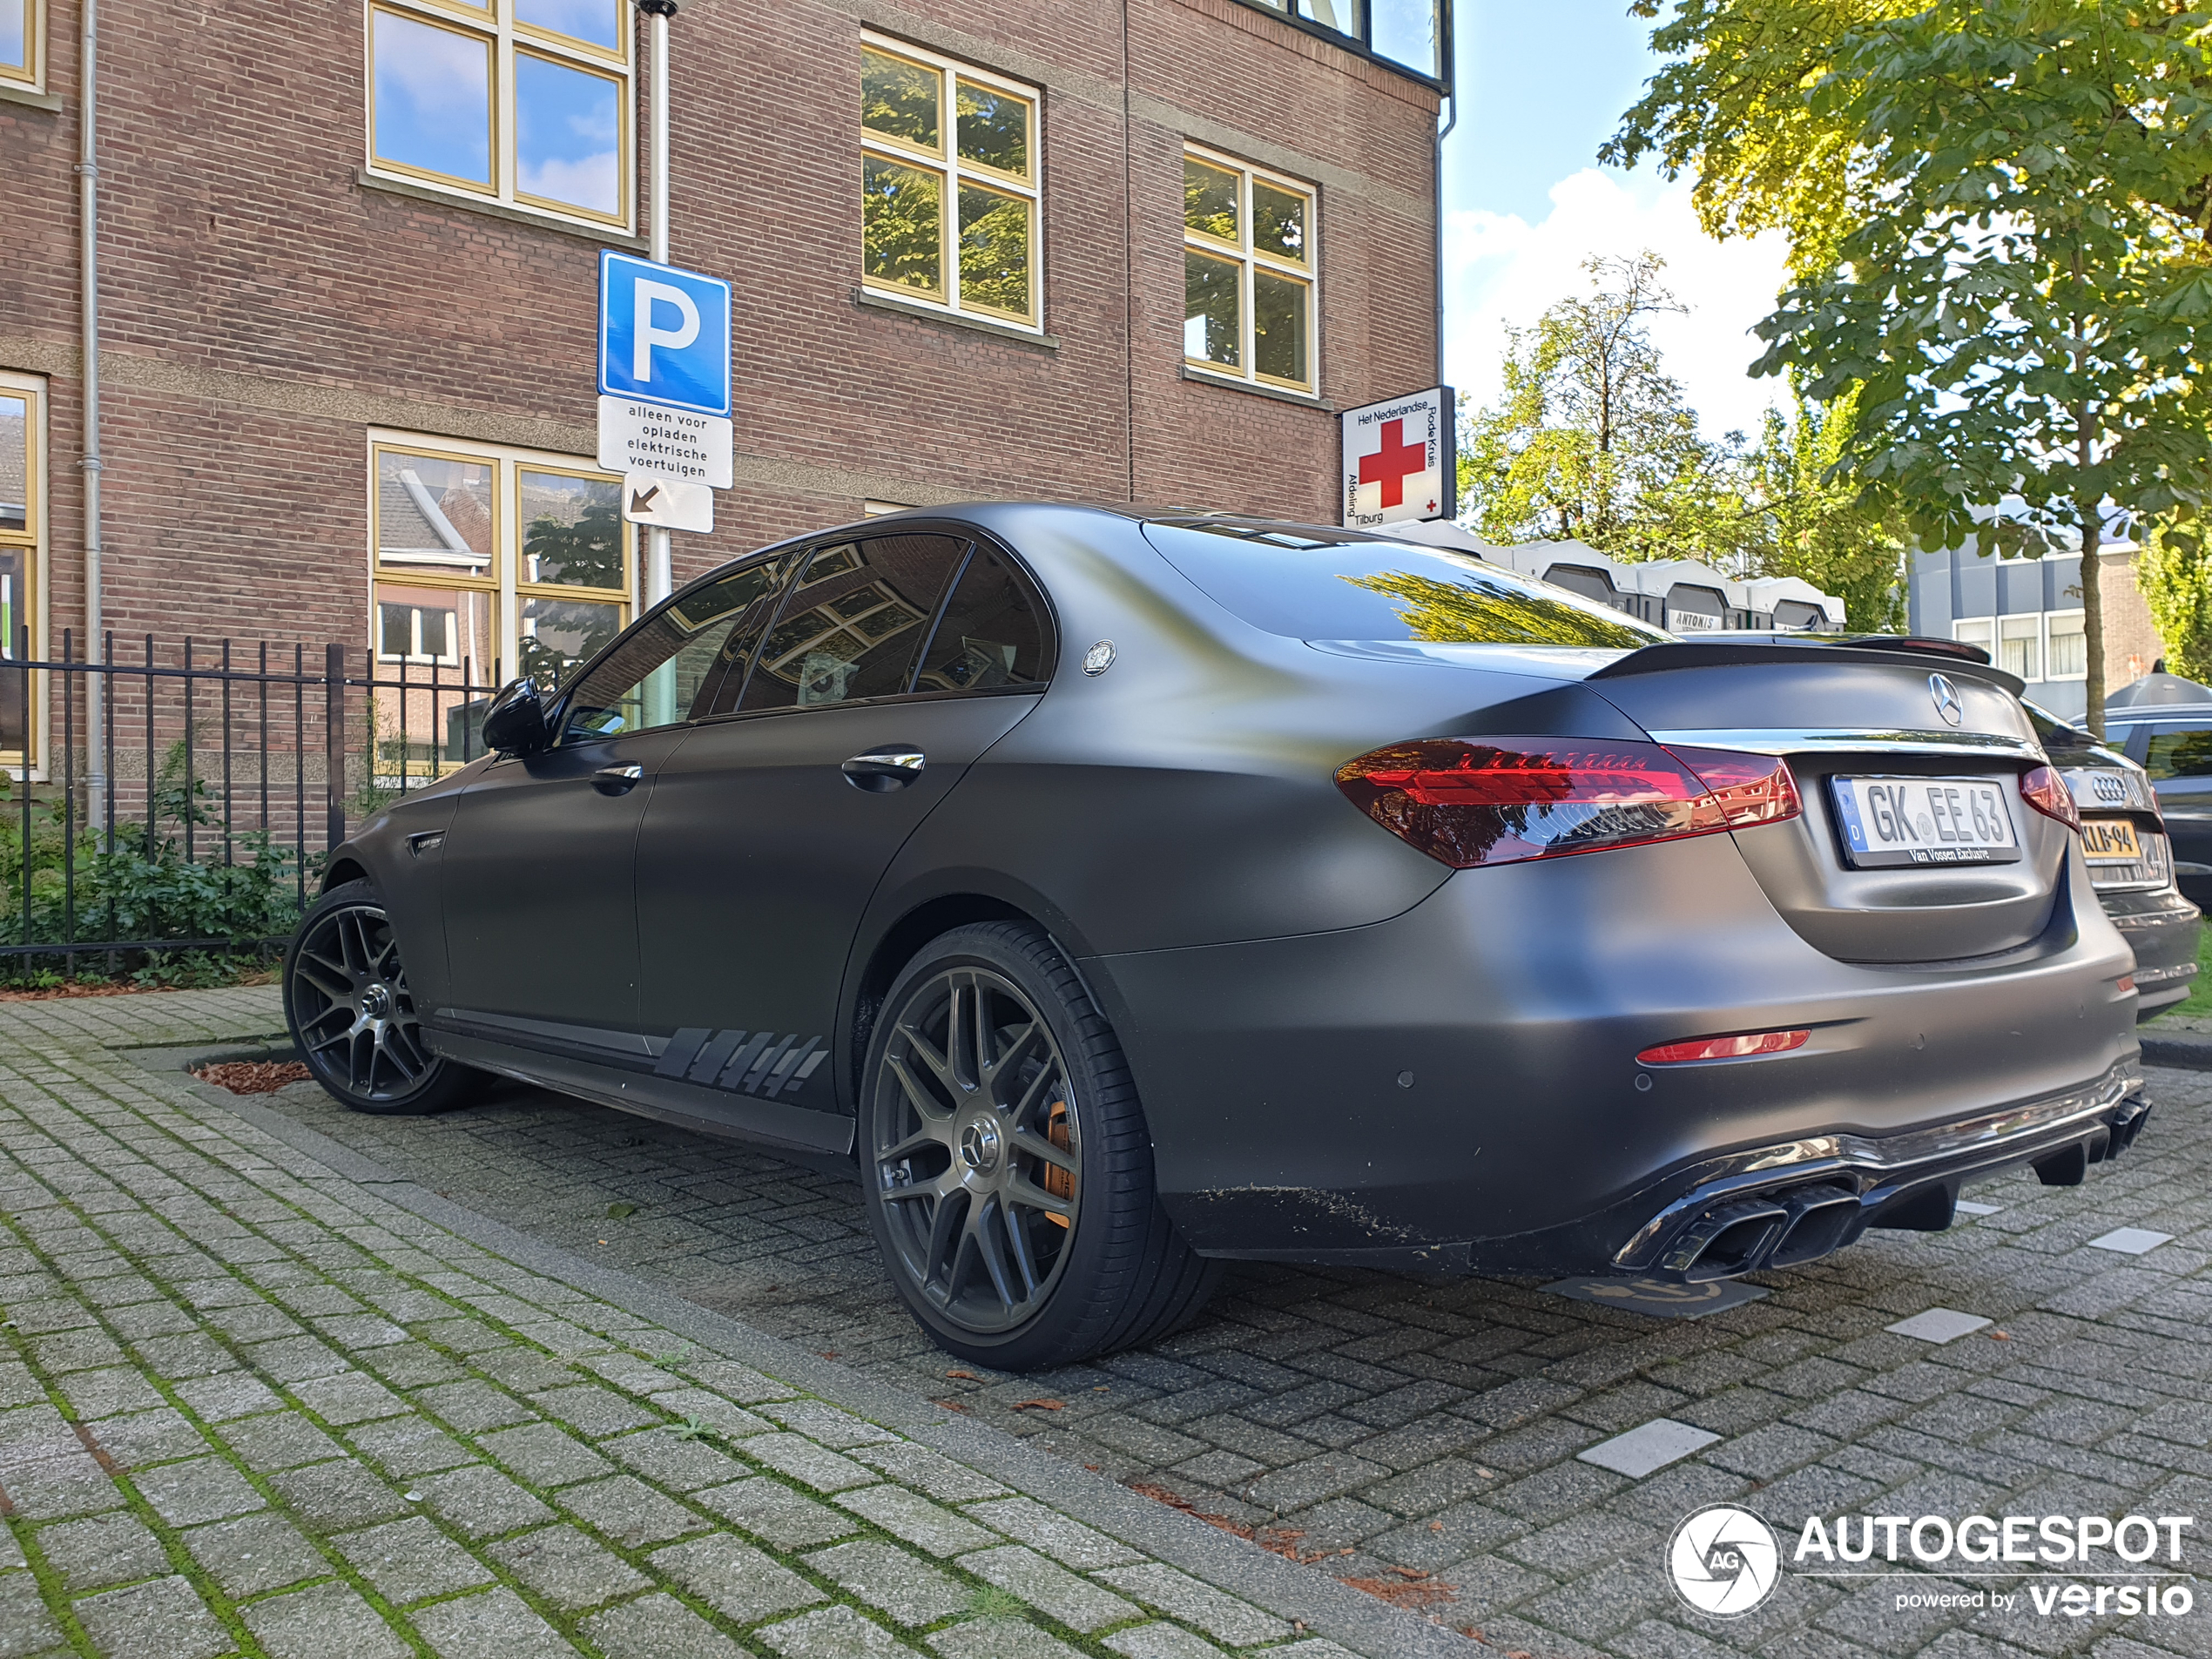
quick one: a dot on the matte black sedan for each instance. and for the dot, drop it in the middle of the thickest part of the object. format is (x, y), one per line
(1128, 892)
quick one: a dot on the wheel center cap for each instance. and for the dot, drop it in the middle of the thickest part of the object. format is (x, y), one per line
(979, 1145)
(376, 1003)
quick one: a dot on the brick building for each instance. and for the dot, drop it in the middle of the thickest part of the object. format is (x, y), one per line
(347, 264)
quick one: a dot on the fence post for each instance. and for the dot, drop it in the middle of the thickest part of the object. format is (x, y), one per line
(334, 714)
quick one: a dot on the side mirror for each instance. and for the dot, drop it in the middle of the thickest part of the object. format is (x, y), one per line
(514, 724)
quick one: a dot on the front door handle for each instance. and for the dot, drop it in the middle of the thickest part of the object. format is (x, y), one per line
(893, 766)
(617, 780)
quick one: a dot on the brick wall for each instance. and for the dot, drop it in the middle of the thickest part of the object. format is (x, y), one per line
(262, 309)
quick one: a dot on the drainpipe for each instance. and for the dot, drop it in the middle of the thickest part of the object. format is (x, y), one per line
(88, 175)
(1449, 44)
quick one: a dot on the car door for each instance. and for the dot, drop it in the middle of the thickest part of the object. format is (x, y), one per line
(539, 865)
(2178, 755)
(769, 829)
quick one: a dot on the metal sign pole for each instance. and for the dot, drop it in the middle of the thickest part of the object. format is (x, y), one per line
(659, 567)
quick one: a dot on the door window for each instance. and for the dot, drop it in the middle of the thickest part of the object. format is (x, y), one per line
(991, 636)
(672, 667)
(851, 628)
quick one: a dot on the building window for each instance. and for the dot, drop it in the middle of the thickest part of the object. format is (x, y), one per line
(949, 188)
(1976, 630)
(1248, 273)
(23, 524)
(526, 102)
(22, 56)
(489, 562)
(2020, 645)
(2068, 658)
(1411, 33)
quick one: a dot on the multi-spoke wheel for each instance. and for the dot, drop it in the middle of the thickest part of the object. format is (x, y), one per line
(346, 1001)
(1006, 1161)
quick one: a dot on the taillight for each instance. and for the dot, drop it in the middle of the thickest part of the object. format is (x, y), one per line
(1736, 1048)
(1465, 801)
(2046, 791)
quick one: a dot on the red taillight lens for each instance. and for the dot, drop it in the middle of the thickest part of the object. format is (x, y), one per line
(2046, 791)
(1675, 1054)
(1465, 801)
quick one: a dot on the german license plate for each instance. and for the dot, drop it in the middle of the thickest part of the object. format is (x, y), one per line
(1925, 820)
(2109, 840)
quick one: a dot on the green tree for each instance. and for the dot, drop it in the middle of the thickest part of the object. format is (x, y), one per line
(1589, 438)
(1814, 524)
(1998, 212)
(2175, 572)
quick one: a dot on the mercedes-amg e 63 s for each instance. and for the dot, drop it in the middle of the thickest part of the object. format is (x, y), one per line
(1125, 892)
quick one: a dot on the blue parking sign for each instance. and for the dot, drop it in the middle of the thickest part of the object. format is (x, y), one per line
(664, 334)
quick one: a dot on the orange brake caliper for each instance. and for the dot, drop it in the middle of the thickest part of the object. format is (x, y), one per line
(1058, 1182)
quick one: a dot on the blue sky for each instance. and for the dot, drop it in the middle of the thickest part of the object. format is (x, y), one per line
(1541, 86)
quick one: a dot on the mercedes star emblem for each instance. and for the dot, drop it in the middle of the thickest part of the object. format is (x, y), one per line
(1946, 698)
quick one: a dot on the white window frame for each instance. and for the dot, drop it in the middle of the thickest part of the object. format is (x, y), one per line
(507, 591)
(2050, 617)
(33, 540)
(32, 77)
(1249, 258)
(493, 22)
(1964, 628)
(2009, 628)
(948, 162)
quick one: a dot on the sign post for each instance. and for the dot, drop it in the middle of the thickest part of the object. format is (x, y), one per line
(1400, 460)
(659, 566)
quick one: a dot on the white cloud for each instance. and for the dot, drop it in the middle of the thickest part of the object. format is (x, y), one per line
(593, 182)
(1501, 269)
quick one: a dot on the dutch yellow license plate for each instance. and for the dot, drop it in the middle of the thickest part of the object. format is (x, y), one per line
(2109, 840)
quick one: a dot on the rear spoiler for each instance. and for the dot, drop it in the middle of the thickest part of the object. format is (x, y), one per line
(1715, 650)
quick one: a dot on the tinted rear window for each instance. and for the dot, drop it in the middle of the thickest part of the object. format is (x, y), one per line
(2179, 754)
(1307, 583)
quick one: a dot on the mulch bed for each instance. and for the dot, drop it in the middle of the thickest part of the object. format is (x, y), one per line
(52, 993)
(252, 1077)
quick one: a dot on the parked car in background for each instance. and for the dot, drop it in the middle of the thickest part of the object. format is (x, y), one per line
(2163, 723)
(2131, 861)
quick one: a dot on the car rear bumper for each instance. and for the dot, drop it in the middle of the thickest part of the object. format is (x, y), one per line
(1458, 1088)
(2161, 927)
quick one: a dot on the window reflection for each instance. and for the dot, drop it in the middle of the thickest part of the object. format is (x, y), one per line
(571, 530)
(15, 462)
(1279, 327)
(568, 136)
(447, 627)
(898, 100)
(851, 628)
(433, 514)
(994, 129)
(1406, 31)
(995, 250)
(1210, 309)
(432, 98)
(989, 637)
(559, 635)
(902, 225)
(679, 665)
(15, 35)
(1209, 201)
(598, 22)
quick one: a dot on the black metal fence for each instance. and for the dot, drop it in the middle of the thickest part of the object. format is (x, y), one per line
(181, 797)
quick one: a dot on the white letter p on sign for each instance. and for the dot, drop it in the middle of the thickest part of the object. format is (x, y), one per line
(646, 336)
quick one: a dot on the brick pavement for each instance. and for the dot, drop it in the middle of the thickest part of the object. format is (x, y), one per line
(251, 1405)
(1410, 1426)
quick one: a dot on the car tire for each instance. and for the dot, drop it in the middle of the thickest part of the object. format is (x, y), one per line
(1009, 1173)
(349, 1008)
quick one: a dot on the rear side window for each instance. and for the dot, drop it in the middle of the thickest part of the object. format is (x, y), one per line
(991, 636)
(851, 627)
(2179, 754)
(1306, 584)
(670, 667)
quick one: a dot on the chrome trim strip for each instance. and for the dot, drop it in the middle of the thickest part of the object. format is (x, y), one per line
(1766, 741)
(1989, 1134)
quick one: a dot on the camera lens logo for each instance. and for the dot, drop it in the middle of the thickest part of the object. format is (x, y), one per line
(1723, 1560)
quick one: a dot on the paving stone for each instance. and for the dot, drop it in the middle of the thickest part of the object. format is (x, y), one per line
(473, 1405)
(657, 1627)
(700, 1406)
(203, 1489)
(254, 1554)
(999, 1639)
(770, 1510)
(835, 1633)
(337, 1495)
(278, 1440)
(1164, 1642)
(26, 1628)
(236, 1393)
(1069, 1541)
(936, 1474)
(597, 1411)
(94, 1394)
(164, 1619)
(905, 1515)
(800, 1459)
(888, 1578)
(543, 1454)
(827, 1426)
(349, 1397)
(480, 1502)
(1648, 1447)
(735, 1579)
(1180, 1596)
(666, 1460)
(631, 1513)
(408, 1447)
(142, 1439)
(1938, 1326)
(497, 1625)
(567, 1568)
(1049, 1587)
(320, 1620)
(105, 1549)
(410, 1560)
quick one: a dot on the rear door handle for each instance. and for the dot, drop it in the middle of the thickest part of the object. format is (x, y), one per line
(893, 766)
(617, 780)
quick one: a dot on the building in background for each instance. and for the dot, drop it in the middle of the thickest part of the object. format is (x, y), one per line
(2026, 613)
(348, 277)
(1680, 596)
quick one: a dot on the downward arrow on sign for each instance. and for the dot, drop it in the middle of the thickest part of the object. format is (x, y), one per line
(642, 500)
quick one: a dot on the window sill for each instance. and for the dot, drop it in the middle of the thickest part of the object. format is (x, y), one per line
(1304, 400)
(606, 238)
(874, 301)
(47, 101)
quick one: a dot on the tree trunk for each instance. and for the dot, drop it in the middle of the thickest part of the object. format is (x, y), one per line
(2093, 615)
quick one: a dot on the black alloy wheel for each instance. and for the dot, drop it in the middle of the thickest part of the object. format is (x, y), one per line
(1006, 1161)
(346, 1001)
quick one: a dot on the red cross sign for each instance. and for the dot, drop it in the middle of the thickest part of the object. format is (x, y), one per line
(1393, 463)
(1398, 460)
